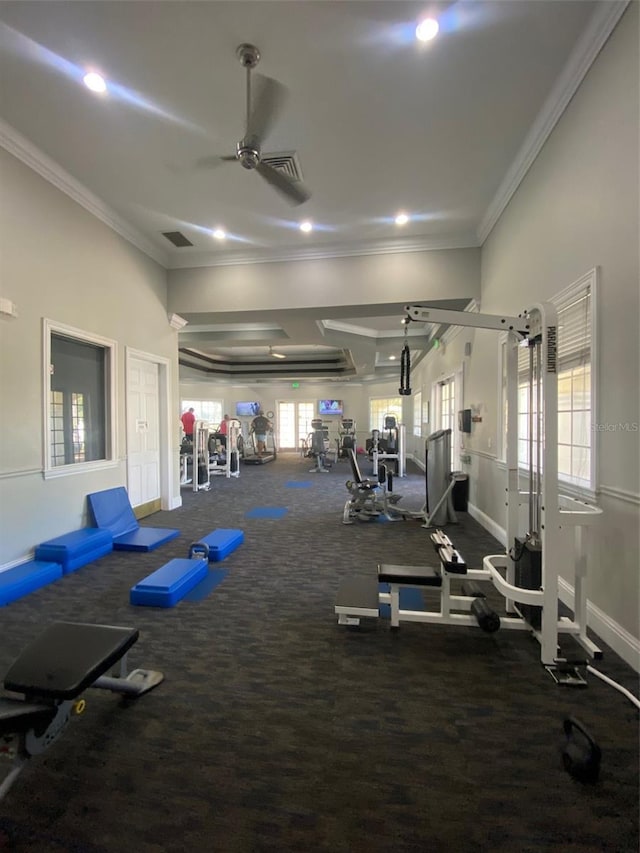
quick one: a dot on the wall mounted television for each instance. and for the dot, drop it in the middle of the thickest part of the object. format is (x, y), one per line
(330, 407)
(247, 409)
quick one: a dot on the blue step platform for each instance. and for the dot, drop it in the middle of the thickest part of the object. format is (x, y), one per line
(221, 543)
(19, 581)
(112, 510)
(76, 549)
(166, 586)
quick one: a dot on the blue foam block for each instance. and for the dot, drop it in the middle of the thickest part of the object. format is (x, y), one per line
(267, 512)
(410, 599)
(75, 549)
(112, 510)
(168, 584)
(19, 581)
(206, 585)
(222, 542)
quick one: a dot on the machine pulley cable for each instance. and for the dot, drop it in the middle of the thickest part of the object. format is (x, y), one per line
(405, 365)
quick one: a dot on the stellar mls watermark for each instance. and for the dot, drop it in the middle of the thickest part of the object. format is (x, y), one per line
(627, 426)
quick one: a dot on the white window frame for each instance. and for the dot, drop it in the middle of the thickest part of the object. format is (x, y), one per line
(588, 282)
(49, 328)
(389, 406)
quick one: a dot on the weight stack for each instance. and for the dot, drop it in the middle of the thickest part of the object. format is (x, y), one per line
(529, 576)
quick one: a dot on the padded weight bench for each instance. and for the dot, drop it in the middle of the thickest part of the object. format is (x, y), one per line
(52, 673)
(112, 510)
(76, 549)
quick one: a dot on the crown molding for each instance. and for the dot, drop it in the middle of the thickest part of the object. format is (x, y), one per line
(25, 151)
(582, 57)
(330, 250)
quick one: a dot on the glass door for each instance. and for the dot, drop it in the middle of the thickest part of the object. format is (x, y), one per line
(294, 423)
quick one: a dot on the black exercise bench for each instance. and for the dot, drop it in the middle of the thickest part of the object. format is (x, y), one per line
(51, 674)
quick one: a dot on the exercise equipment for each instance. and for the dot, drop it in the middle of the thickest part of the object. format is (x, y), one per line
(112, 511)
(51, 674)
(24, 578)
(346, 438)
(220, 543)
(170, 583)
(439, 480)
(369, 499)
(76, 549)
(223, 451)
(389, 445)
(318, 444)
(250, 454)
(581, 755)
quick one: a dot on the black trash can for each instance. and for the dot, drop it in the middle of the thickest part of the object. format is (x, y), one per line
(460, 494)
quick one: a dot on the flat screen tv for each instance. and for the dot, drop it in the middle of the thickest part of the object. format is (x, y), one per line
(330, 407)
(247, 409)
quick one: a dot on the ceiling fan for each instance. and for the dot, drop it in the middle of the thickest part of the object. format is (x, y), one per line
(261, 115)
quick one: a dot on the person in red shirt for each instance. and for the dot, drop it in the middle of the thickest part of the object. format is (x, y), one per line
(223, 430)
(188, 420)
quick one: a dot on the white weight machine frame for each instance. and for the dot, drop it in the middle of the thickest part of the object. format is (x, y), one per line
(400, 455)
(551, 515)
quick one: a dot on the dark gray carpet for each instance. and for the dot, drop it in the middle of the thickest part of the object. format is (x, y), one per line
(278, 730)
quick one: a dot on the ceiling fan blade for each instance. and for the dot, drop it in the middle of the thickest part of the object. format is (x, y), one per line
(267, 101)
(294, 191)
(213, 161)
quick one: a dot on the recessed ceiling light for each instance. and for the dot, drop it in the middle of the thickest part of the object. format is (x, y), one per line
(306, 226)
(392, 358)
(402, 219)
(219, 233)
(94, 82)
(427, 29)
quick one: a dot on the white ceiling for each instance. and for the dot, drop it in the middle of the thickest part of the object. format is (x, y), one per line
(378, 121)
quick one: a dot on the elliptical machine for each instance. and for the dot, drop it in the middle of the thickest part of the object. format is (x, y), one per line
(318, 447)
(346, 440)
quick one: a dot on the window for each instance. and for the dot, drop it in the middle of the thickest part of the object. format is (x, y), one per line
(205, 410)
(381, 406)
(79, 399)
(576, 392)
(294, 422)
(417, 413)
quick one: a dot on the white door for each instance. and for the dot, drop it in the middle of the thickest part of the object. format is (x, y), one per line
(143, 432)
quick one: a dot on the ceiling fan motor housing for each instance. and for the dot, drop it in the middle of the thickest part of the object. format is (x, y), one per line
(248, 154)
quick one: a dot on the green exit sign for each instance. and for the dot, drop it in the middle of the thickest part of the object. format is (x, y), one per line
(295, 384)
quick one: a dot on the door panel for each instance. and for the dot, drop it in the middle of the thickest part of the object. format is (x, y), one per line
(143, 432)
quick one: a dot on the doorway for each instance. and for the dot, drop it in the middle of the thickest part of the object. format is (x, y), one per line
(294, 423)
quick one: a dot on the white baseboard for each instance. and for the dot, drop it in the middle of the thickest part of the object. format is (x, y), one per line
(175, 502)
(621, 641)
(614, 635)
(26, 558)
(488, 523)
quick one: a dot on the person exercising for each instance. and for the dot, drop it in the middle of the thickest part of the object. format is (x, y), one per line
(260, 426)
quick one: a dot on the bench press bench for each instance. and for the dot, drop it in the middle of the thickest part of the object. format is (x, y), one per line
(52, 673)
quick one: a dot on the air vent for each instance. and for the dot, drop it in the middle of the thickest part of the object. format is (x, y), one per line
(177, 238)
(287, 162)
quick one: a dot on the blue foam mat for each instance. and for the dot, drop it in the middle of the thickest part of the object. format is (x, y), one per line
(207, 585)
(267, 512)
(24, 578)
(298, 484)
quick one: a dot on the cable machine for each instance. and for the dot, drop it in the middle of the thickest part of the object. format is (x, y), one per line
(545, 530)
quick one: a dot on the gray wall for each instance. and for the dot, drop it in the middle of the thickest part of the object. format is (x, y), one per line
(60, 262)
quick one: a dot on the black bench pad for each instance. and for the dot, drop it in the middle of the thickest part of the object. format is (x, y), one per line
(67, 658)
(410, 575)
